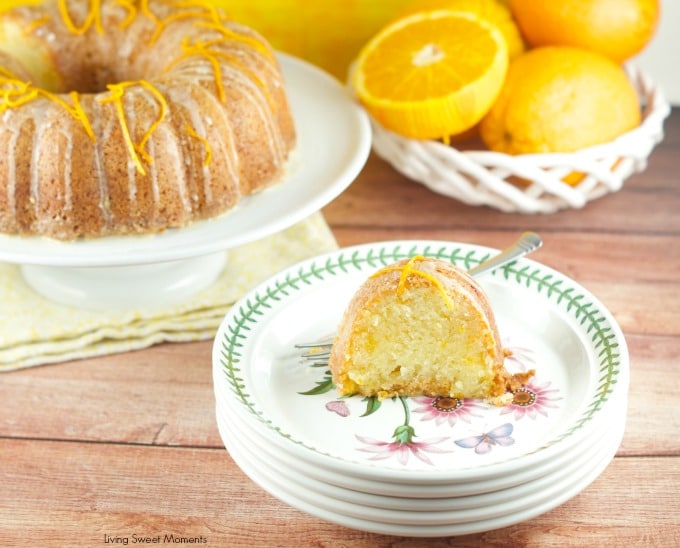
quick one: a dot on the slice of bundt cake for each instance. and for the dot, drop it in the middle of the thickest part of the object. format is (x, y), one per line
(421, 326)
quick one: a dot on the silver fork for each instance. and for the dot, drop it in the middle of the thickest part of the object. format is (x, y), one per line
(527, 242)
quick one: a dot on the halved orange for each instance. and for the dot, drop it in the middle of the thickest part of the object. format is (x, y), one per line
(495, 12)
(431, 74)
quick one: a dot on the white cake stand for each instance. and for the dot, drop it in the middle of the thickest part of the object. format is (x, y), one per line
(334, 140)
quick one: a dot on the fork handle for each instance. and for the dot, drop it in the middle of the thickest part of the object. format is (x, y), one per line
(528, 242)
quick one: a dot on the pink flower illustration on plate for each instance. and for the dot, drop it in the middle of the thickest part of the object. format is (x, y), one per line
(446, 409)
(531, 400)
(403, 447)
(339, 407)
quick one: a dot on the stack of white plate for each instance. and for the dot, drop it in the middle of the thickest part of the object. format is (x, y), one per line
(421, 466)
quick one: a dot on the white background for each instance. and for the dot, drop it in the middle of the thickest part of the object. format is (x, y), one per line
(661, 58)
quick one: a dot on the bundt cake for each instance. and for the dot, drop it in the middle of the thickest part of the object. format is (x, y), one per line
(133, 116)
(421, 326)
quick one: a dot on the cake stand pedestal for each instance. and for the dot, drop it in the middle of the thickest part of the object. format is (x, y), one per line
(117, 288)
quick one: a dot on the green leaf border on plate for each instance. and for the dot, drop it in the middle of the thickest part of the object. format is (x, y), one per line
(576, 303)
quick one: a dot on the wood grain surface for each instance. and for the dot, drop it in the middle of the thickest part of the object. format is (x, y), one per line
(127, 446)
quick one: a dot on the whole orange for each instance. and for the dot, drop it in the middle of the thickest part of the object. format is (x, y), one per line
(560, 99)
(618, 29)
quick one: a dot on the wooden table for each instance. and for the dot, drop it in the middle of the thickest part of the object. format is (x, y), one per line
(127, 444)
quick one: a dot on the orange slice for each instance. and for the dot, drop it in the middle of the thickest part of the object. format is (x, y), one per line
(496, 12)
(431, 74)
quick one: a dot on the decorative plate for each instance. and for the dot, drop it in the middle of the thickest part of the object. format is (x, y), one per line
(550, 323)
(421, 522)
(420, 497)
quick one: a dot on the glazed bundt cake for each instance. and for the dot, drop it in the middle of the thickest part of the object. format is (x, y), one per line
(133, 116)
(421, 326)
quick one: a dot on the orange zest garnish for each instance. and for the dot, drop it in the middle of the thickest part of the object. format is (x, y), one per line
(213, 55)
(6, 74)
(94, 16)
(16, 92)
(76, 110)
(206, 11)
(137, 150)
(147, 11)
(227, 33)
(198, 48)
(36, 24)
(131, 8)
(162, 23)
(12, 97)
(208, 150)
(410, 268)
(208, 5)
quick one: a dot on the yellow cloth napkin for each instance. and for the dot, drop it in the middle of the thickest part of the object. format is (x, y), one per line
(36, 331)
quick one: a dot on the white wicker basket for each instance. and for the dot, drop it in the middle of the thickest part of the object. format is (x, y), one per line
(482, 177)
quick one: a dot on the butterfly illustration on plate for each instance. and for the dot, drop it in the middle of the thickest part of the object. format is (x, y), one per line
(483, 443)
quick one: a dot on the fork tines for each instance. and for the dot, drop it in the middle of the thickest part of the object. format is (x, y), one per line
(316, 355)
(314, 345)
(318, 352)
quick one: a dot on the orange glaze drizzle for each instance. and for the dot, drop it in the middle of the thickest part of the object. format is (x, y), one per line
(410, 268)
(144, 7)
(131, 8)
(208, 150)
(205, 49)
(228, 34)
(206, 11)
(16, 93)
(37, 24)
(94, 16)
(211, 18)
(198, 48)
(137, 150)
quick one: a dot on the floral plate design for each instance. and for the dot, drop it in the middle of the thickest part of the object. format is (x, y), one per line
(549, 321)
(529, 501)
(473, 499)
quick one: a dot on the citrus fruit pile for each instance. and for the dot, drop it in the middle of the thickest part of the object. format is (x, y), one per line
(530, 76)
